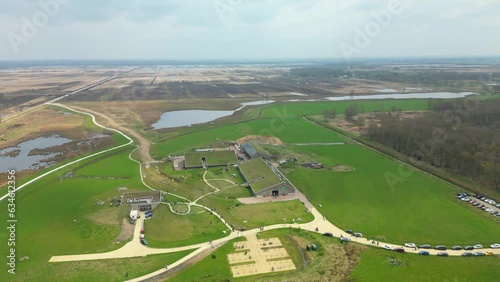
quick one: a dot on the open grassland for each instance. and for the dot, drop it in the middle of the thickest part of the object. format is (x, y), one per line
(166, 229)
(257, 215)
(186, 183)
(58, 214)
(258, 174)
(375, 266)
(420, 208)
(316, 108)
(100, 270)
(289, 130)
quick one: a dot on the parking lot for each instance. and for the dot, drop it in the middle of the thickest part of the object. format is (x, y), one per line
(480, 202)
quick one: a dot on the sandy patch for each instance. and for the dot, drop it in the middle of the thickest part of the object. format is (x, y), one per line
(271, 140)
(259, 256)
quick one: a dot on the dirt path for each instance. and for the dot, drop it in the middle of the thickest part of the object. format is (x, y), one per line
(144, 143)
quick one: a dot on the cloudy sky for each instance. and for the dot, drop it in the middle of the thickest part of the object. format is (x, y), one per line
(247, 29)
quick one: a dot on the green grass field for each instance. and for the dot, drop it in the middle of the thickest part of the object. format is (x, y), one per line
(258, 174)
(256, 215)
(100, 270)
(374, 266)
(56, 215)
(288, 129)
(166, 229)
(193, 159)
(422, 208)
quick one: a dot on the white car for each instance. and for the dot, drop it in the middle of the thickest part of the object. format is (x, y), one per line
(495, 246)
(478, 246)
(388, 247)
(410, 245)
(141, 236)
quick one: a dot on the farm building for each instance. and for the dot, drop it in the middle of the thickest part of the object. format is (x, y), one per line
(250, 150)
(265, 180)
(142, 201)
(205, 159)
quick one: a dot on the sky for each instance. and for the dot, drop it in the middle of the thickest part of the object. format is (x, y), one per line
(246, 29)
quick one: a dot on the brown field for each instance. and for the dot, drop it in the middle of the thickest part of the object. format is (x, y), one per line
(358, 128)
(47, 121)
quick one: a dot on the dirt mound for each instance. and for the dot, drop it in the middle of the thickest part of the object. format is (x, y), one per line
(262, 139)
(342, 168)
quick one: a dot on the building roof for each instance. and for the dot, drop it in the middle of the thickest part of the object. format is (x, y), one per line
(258, 174)
(249, 149)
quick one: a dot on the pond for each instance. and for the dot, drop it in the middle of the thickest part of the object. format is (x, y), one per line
(19, 157)
(191, 117)
(435, 95)
(28, 154)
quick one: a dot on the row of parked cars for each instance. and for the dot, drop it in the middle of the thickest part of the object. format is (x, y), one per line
(148, 214)
(478, 202)
(455, 248)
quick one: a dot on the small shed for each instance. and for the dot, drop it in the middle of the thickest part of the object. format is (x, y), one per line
(134, 214)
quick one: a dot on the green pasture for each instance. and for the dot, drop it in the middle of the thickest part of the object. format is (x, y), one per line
(58, 215)
(166, 229)
(416, 208)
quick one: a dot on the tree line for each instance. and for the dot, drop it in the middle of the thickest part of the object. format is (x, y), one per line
(460, 136)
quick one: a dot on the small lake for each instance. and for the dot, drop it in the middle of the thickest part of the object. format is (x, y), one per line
(435, 95)
(19, 157)
(191, 117)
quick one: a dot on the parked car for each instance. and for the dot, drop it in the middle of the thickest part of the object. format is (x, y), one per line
(440, 247)
(489, 254)
(478, 246)
(144, 242)
(467, 254)
(456, 248)
(410, 245)
(345, 239)
(424, 253)
(495, 246)
(443, 254)
(399, 250)
(349, 231)
(142, 230)
(357, 234)
(141, 236)
(478, 254)
(468, 248)
(388, 247)
(328, 234)
(425, 246)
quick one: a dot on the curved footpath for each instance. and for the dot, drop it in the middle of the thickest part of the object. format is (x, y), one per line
(135, 249)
